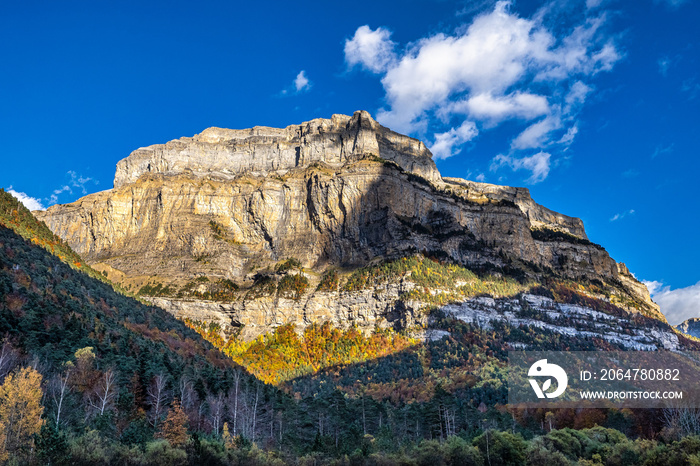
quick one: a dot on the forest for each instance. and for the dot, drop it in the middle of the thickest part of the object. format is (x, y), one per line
(89, 375)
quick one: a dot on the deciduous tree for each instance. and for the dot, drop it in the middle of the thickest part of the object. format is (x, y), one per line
(174, 428)
(20, 409)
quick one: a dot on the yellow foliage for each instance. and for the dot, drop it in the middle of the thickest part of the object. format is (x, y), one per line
(20, 410)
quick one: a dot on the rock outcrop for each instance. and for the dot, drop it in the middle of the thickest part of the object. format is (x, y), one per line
(341, 192)
(690, 327)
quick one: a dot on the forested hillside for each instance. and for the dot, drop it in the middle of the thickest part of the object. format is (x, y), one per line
(90, 376)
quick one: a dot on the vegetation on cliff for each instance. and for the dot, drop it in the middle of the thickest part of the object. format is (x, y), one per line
(15, 216)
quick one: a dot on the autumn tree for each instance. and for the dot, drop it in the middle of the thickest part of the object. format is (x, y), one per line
(226, 436)
(20, 410)
(174, 428)
(85, 374)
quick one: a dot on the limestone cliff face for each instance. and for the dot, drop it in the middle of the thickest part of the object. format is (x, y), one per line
(338, 192)
(263, 151)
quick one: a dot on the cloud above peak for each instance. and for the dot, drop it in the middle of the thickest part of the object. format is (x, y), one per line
(372, 50)
(497, 67)
(301, 82)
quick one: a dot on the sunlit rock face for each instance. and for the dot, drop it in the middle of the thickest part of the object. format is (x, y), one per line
(340, 192)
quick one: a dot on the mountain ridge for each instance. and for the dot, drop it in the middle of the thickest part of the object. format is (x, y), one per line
(195, 215)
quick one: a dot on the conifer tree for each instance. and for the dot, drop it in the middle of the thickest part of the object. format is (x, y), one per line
(174, 428)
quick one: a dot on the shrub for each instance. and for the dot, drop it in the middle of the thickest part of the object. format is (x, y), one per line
(287, 265)
(292, 286)
(329, 281)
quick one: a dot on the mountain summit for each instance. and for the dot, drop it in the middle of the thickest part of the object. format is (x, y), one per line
(261, 227)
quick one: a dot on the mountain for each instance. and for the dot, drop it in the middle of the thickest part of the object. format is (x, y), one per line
(349, 391)
(690, 327)
(344, 221)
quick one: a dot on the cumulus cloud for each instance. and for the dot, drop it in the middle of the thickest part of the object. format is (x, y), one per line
(301, 82)
(677, 305)
(373, 50)
(538, 165)
(29, 202)
(493, 109)
(498, 67)
(445, 143)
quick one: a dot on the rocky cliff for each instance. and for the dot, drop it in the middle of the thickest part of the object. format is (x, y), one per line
(227, 206)
(690, 327)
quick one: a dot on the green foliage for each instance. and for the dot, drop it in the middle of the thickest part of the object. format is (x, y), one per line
(220, 290)
(289, 264)
(157, 289)
(292, 286)
(501, 448)
(437, 282)
(15, 216)
(264, 286)
(52, 445)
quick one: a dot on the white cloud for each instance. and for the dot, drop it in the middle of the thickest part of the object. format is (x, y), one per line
(446, 144)
(677, 305)
(78, 181)
(29, 202)
(537, 134)
(537, 164)
(576, 96)
(494, 109)
(568, 138)
(373, 50)
(301, 82)
(621, 215)
(481, 178)
(664, 64)
(498, 67)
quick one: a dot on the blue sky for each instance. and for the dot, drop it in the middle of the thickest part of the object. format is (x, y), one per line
(591, 104)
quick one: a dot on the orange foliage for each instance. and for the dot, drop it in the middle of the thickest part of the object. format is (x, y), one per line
(284, 354)
(174, 428)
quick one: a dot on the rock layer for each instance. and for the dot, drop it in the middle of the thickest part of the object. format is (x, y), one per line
(339, 192)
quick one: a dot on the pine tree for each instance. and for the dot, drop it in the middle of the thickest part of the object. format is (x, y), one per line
(20, 410)
(174, 428)
(51, 444)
